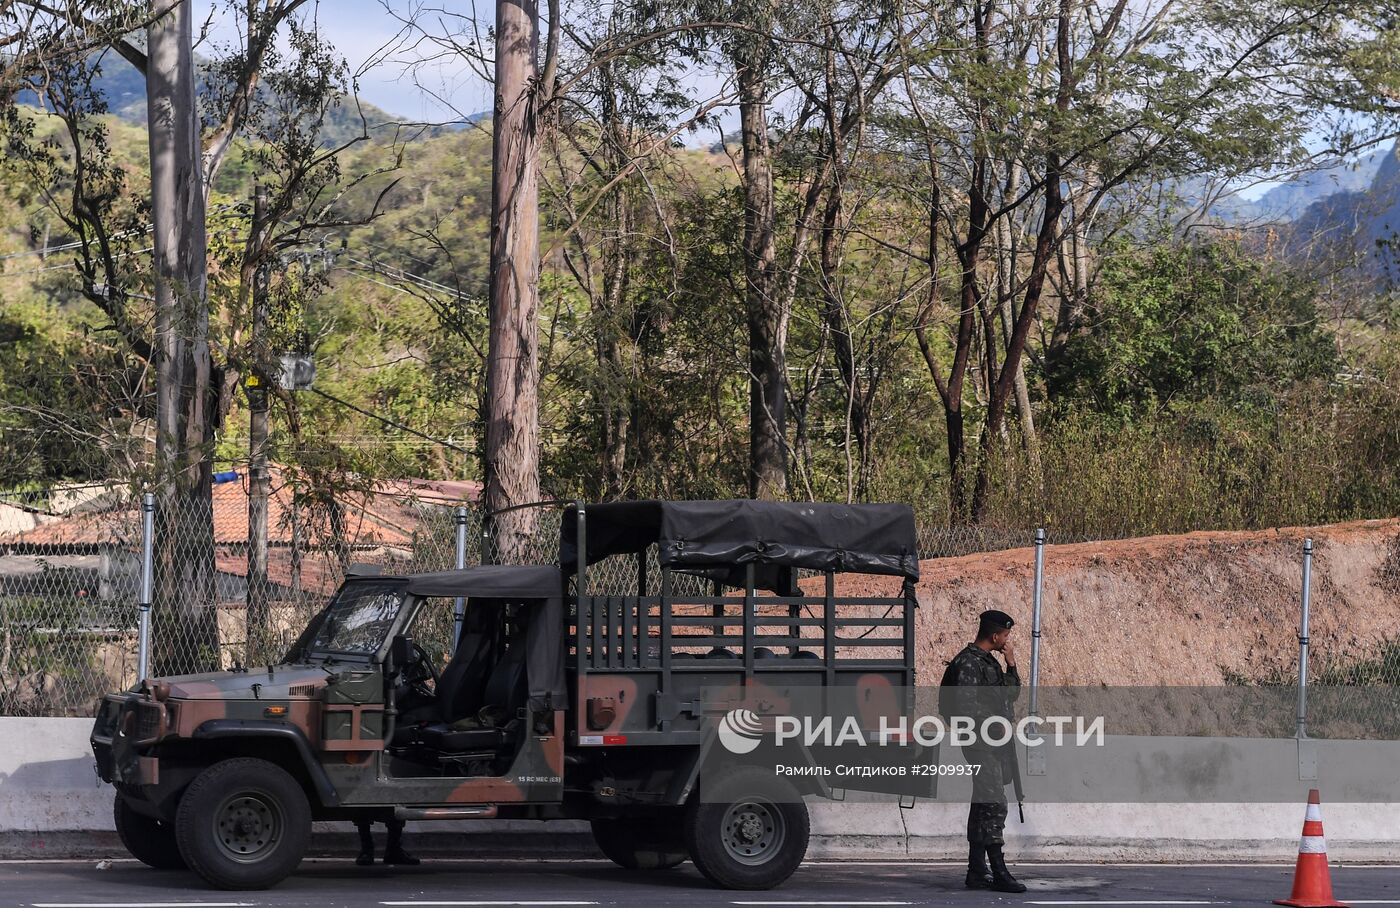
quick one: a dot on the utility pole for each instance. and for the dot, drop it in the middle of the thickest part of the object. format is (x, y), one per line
(259, 483)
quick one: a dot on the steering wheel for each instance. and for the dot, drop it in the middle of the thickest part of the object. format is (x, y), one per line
(417, 673)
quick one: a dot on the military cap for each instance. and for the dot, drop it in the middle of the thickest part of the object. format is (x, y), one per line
(994, 618)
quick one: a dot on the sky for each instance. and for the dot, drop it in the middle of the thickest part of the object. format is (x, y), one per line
(371, 36)
(445, 89)
(360, 29)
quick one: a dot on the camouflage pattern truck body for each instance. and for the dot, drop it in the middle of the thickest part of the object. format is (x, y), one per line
(554, 701)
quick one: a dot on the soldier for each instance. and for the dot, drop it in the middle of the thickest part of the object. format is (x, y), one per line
(976, 667)
(393, 849)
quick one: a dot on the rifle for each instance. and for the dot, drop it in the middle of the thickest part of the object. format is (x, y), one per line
(1016, 781)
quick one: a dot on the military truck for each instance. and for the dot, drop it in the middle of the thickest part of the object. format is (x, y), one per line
(556, 700)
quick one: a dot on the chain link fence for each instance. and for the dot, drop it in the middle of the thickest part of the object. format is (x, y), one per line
(70, 583)
(69, 571)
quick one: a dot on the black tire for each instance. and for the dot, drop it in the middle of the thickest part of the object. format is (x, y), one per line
(150, 841)
(243, 824)
(643, 843)
(749, 831)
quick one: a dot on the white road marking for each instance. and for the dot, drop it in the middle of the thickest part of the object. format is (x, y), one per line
(486, 904)
(1127, 901)
(854, 864)
(143, 904)
(821, 903)
(66, 860)
(1098, 865)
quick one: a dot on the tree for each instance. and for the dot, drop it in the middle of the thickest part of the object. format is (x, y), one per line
(511, 458)
(856, 61)
(183, 365)
(749, 37)
(1046, 117)
(767, 317)
(36, 36)
(184, 162)
(615, 178)
(103, 210)
(300, 192)
(1183, 323)
(523, 93)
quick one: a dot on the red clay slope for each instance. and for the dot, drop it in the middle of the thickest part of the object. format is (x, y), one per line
(1190, 609)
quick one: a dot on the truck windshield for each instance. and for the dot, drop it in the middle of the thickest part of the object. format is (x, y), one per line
(358, 619)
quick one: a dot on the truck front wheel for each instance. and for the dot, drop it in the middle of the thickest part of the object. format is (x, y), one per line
(150, 841)
(243, 823)
(748, 832)
(641, 843)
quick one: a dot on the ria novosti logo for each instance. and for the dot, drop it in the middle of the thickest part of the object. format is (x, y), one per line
(741, 731)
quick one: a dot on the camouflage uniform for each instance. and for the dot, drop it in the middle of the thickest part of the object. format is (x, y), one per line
(976, 668)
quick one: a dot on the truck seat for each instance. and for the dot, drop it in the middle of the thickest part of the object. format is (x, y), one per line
(506, 691)
(459, 688)
(447, 739)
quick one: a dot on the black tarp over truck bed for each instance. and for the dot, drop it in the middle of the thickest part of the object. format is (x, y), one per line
(647, 665)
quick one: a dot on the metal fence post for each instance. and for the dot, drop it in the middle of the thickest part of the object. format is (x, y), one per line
(148, 576)
(1035, 620)
(1303, 640)
(459, 605)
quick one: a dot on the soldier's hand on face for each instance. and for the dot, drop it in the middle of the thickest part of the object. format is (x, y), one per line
(1008, 652)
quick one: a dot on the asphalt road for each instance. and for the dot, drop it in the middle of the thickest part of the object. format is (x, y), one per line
(583, 884)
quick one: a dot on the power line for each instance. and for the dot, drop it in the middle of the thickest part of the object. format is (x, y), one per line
(67, 265)
(121, 234)
(395, 272)
(47, 250)
(64, 267)
(389, 422)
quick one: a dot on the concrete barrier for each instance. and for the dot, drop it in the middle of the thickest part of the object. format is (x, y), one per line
(53, 805)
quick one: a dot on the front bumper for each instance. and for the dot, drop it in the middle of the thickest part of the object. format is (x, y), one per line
(127, 726)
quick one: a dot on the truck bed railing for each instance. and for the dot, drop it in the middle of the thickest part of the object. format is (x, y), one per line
(749, 631)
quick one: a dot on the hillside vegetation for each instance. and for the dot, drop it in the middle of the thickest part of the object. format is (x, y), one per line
(1178, 370)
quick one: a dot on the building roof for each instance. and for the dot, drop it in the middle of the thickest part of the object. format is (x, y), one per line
(387, 512)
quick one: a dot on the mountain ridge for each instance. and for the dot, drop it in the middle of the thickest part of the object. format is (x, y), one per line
(123, 89)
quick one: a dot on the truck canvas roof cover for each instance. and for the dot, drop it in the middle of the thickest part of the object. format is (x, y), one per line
(491, 581)
(691, 535)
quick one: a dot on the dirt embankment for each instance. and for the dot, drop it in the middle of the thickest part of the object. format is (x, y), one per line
(1197, 609)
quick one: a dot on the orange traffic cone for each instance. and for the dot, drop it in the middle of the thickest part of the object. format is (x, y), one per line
(1312, 883)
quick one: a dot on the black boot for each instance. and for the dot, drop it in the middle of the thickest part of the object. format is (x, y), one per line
(978, 876)
(393, 852)
(1002, 880)
(366, 856)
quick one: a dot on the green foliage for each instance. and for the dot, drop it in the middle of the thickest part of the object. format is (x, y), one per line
(1183, 323)
(53, 648)
(1319, 454)
(27, 344)
(1201, 389)
(67, 397)
(1382, 667)
(679, 376)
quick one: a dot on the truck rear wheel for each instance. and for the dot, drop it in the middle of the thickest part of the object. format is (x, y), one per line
(150, 841)
(748, 832)
(243, 823)
(641, 843)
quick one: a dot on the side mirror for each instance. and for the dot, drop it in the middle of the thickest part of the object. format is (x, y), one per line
(400, 654)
